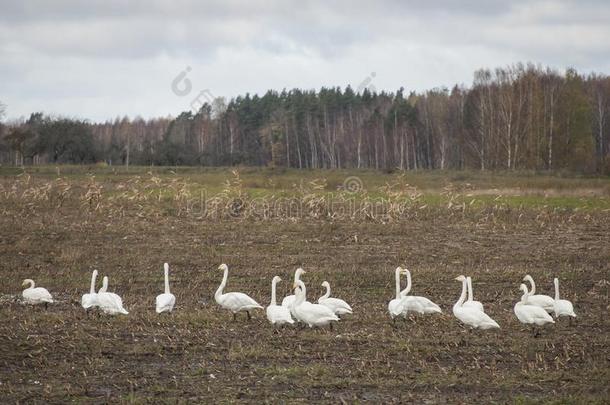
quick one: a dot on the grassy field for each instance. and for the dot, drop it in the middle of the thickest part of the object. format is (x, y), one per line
(60, 224)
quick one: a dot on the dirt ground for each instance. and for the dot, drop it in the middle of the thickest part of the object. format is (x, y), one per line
(198, 353)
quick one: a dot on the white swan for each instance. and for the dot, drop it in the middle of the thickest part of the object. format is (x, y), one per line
(543, 301)
(395, 306)
(89, 300)
(165, 302)
(419, 305)
(35, 295)
(470, 302)
(337, 305)
(562, 307)
(109, 303)
(311, 314)
(233, 301)
(288, 300)
(277, 314)
(530, 314)
(471, 316)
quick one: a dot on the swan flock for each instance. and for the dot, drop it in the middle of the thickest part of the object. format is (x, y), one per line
(531, 309)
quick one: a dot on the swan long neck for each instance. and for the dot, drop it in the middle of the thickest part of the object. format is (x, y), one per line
(104, 284)
(301, 294)
(222, 285)
(460, 301)
(327, 294)
(525, 295)
(93, 278)
(556, 281)
(533, 289)
(166, 274)
(408, 289)
(397, 277)
(469, 280)
(297, 274)
(273, 283)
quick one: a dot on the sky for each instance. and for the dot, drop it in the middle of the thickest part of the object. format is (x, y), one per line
(101, 59)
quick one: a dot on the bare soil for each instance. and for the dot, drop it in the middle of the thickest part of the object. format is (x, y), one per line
(199, 354)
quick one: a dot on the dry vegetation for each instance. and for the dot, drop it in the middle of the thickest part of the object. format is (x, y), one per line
(57, 228)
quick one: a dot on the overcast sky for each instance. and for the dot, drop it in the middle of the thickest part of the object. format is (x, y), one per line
(99, 59)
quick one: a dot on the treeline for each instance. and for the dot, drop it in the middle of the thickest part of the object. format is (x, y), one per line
(518, 117)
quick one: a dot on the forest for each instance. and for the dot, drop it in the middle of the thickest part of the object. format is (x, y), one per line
(518, 117)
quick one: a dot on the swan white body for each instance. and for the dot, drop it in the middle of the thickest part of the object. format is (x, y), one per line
(165, 302)
(470, 302)
(311, 314)
(277, 314)
(233, 301)
(35, 295)
(562, 307)
(89, 300)
(471, 316)
(338, 306)
(395, 306)
(543, 301)
(109, 303)
(288, 300)
(416, 304)
(530, 314)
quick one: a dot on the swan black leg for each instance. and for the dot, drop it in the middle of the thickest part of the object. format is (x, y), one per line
(248, 313)
(331, 326)
(234, 316)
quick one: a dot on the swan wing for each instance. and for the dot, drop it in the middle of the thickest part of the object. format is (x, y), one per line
(315, 314)
(428, 305)
(89, 300)
(410, 304)
(236, 301)
(395, 307)
(531, 314)
(543, 301)
(475, 318)
(37, 295)
(165, 303)
(338, 306)
(474, 304)
(277, 314)
(564, 308)
(111, 303)
(288, 301)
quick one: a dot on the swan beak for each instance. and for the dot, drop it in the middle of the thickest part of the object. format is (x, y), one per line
(457, 278)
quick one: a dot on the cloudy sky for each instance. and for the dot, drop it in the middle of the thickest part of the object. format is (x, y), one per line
(99, 59)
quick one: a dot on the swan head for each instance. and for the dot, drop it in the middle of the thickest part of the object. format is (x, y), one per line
(401, 271)
(298, 272)
(298, 285)
(94, 273)
(276, 279)
(460, 278)
(165, 266)
(27, 281)
(223, 267)
(326, 284)
(523, 288)
(528, 278)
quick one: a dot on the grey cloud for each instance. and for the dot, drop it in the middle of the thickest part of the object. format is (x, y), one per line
(105, 47)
